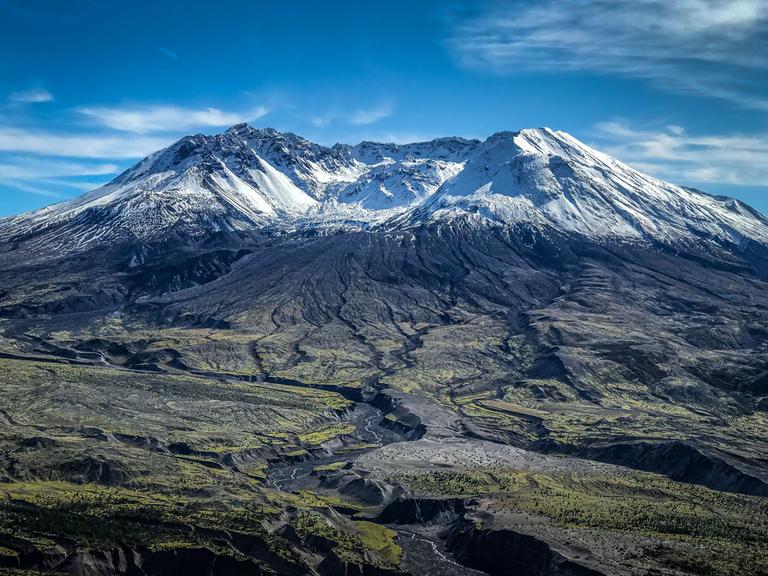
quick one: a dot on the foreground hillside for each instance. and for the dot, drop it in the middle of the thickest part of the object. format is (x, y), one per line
(254, 355)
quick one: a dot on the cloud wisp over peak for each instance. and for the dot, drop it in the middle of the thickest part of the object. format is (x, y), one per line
(146, 119)
(671, 153)
(714, 48)
(357, 117)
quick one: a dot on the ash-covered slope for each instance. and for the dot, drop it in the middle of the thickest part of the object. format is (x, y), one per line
(248, 178)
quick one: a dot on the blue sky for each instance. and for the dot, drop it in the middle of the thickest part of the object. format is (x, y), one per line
(677, 88)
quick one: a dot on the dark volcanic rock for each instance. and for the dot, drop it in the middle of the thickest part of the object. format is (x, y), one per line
(422, 511)
(684, 462)
(97, 470)
(508, 553)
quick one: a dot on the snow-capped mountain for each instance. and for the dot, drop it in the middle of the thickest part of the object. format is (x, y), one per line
(249, 178)
(548, 178)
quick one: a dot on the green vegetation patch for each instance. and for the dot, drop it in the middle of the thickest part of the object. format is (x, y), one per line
(332, 467)
(326, 434)
(352, 541)
(102, 516)
(380, 540)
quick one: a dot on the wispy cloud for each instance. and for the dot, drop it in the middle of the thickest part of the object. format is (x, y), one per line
(146, 119)
(170, 53)
(31, 96)
(71, 145)
(25, 167)
(52, 177)
(36, 189)
(366, 116)
(715, 48)
(671, 153)
(324, 120)
(358, 117)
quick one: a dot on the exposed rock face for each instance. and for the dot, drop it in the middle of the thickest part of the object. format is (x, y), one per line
(358, 488)
(507, 553)
(685, 462)
(98, 470)
(128, 562)
(407, 510)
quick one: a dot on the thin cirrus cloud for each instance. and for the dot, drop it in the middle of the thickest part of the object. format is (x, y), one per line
(671, 153)
(31, 96)
(359, 117)
(52, 187)
(33, 168)
(170, 53)
(367, 116)
(52, 177)
(45, 143)
(713, 48)
(146, 119)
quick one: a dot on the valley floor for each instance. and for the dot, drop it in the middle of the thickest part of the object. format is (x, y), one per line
(116, 470)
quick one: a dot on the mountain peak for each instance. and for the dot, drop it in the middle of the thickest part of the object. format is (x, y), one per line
(248, 132)
(239, 128)
(542, 141)
(243, 128)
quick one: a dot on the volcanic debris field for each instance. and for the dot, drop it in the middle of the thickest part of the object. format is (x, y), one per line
(377, 434)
